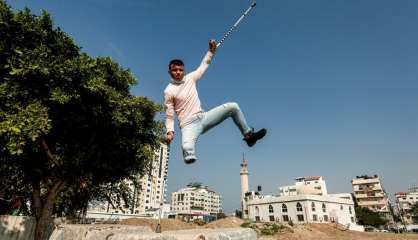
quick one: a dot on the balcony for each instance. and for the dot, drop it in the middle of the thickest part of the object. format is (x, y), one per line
(370, 195)
(368, 203)
(364, 188)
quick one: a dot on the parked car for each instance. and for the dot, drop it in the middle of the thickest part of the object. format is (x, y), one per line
(370, 229)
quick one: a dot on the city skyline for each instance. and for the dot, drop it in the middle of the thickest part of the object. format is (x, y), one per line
(334, 82)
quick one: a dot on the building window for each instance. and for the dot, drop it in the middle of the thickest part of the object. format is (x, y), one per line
(271, 218)
(299, 207)
(257, 218)
(314, 217)
(341, 207)
(300, 218)
(349, 209)
(352, 219)
(324, 208)
(285, 218)
(284, 208)
(326, 218)
(313, 207)
(271, 209)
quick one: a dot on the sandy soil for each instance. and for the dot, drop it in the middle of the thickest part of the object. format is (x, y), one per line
(166, 224)
(297, 232)
(332, 232)
(230, 222)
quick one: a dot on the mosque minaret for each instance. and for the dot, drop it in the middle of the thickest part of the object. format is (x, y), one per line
(244, 186)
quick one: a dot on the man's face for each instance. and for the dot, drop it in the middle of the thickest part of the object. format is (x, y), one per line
(176, 72)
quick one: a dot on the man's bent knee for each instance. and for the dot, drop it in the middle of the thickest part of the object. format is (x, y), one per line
(233, 106)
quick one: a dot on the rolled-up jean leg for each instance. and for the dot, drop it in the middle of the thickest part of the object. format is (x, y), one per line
(218, 114)
(190, 133)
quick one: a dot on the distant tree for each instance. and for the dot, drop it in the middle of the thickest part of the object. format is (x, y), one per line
(414, 209)
(396, 216)
(238, 213)
(69, 127)
(366, 216)
(220, 215)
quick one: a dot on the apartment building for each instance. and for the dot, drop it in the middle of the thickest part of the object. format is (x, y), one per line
(149, 191)
(314, 185)
(404, 203)
(196, 199)
(369, 193)
(153, 186)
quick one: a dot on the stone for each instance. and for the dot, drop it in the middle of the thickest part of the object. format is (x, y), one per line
(94, 231)
(125, 232)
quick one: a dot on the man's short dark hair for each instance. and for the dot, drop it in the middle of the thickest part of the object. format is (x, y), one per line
(177, 62)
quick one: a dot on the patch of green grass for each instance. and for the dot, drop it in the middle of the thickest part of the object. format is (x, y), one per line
(265, 228)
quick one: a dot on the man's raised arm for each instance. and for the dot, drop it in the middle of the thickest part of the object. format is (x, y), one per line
(198, 73)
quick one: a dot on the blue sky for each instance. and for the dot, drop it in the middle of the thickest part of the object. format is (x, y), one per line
(334, 82)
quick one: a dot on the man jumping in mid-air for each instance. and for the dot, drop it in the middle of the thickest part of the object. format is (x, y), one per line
(180, 96)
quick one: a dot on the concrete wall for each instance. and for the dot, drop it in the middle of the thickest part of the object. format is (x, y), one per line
(123, 232)
(16, 227)
(95, 231)
(23, 228)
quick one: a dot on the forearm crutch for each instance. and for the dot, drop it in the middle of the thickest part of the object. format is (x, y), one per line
(236, 23)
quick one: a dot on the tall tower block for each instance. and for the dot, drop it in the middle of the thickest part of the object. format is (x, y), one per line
(244, 187)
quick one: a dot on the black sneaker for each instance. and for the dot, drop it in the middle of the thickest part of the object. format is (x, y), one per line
(189, 161)
(255, 136)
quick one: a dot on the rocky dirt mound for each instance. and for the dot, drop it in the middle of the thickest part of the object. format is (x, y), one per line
(229, 222)
(286, 232)
(333, 232)
(166, 224)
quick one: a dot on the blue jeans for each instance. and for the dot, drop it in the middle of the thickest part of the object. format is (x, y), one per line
(191, 131)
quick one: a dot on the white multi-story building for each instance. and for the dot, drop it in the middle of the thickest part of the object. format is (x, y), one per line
(196, 199)
(302, 209)
(305, 202)
(314, 185)
(149, 192)
(154, 185)
(369, 193)
(404, 202)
